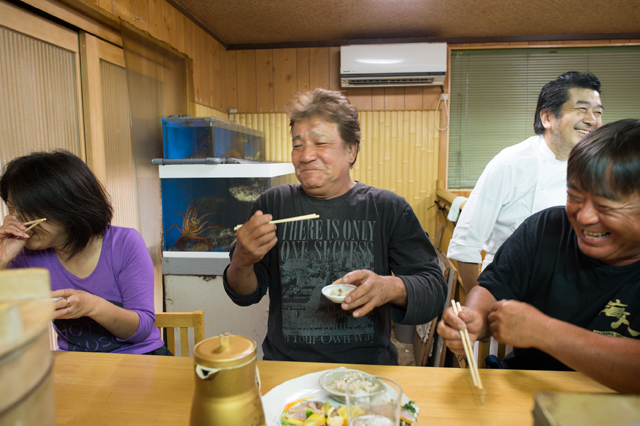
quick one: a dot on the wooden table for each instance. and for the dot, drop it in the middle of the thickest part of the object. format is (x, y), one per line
(113, 389)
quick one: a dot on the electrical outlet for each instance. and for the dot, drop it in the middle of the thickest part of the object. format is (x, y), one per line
(444, 97)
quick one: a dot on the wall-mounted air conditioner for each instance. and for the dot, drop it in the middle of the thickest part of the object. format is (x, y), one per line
(384, 65)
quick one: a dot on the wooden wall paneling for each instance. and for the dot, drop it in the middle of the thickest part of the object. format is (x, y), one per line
(209, 71)
(394, 98)
(141, 14)
(247, 81)
(430, 97)
(388, 170)
(285, 81)
(302, 58)
(264, 80)
(78, 19)
(411, 122)
(431, 170)
(413, 98)
(188, 46)
(198, 50)
(124, 9)
(442, 166)
(204, 61)
(180, 36)
(232, 79)
(360, 98)
(158, 23)
(92, 106)
(334, 69)
(377, 98)
(219, 77)
(395, 150)
(191, 49)
(318, 67)
(170, 24)
(405, 147)
(106, 5)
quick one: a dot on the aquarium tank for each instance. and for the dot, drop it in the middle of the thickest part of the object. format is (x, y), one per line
(202, 203)
(186, 137)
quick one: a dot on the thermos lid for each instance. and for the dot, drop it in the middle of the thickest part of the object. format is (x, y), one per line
(224, 350)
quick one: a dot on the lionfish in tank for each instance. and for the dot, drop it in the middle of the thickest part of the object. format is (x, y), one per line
(192, 227)
(248, 193)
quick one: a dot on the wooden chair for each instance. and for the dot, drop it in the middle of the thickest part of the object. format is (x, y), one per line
(183, 321)
(431, 351)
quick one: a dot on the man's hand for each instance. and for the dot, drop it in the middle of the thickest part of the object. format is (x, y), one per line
(517, 323)
(451, 324)
(373, 291)
(254, 240)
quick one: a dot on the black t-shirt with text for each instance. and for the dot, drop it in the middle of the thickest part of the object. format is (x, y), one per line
(541, 264)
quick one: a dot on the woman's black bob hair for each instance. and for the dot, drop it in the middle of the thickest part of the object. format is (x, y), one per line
(606, 162)
(60, 187)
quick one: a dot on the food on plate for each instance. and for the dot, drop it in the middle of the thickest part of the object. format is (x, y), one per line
(359, 386)
(309, 412)
(408, 414)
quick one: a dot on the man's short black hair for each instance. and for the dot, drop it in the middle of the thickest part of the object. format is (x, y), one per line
(58, 186)
(555, 93)
(606, 162)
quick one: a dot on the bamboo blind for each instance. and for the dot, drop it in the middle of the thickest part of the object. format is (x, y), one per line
(38, 98)
(398, 152)
(117, 142)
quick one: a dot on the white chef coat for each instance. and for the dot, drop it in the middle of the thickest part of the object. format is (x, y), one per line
(521, 180)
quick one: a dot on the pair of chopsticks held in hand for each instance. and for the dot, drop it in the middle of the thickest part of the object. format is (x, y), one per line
(33, 223)
(289, 219)
(468, 349)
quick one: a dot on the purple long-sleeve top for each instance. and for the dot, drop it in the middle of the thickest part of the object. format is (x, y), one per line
(123, 276)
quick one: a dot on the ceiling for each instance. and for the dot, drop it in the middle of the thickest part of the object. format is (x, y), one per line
(247, 24)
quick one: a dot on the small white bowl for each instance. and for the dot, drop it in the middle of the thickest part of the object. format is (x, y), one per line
(334, 288)
(327, 379)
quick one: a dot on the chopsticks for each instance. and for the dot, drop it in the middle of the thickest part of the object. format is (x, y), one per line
(289, 219)
(33, 223)
(468, 349)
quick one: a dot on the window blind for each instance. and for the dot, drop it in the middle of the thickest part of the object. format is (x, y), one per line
(494, 95)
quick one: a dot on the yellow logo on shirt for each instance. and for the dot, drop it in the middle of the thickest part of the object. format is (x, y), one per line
(617, 310)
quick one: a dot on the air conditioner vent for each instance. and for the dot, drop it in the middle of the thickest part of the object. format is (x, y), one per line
(384, 65)
(390, 82)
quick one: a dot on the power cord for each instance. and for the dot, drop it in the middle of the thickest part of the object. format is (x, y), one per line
(444, 97)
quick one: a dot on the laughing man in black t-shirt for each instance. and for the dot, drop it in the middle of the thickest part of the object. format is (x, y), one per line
(564, 289)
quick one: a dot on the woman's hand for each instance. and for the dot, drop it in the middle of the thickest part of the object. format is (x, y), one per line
(120, 322)
(74, 303)
(12, 239)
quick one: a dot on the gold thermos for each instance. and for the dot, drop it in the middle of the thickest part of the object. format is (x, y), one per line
(227, 383)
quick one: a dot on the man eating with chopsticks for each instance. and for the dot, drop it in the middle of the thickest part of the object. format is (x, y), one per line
(362, 236)
(564, 289)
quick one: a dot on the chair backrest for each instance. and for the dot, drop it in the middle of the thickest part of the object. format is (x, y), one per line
(183, 321)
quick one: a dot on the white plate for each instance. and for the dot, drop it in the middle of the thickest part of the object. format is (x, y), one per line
(294, 389)
(346, 288)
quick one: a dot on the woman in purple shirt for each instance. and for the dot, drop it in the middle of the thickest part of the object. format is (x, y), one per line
(102, 273)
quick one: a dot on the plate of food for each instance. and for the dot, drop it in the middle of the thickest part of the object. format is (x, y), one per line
(337, 292)
(303, 402)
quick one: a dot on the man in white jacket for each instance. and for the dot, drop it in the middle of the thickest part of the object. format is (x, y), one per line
(528, 177)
